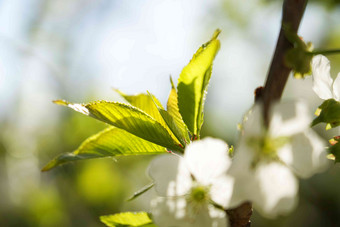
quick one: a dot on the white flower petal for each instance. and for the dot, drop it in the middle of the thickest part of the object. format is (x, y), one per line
(285, 154)
(322, 81)
(169, 212)
(207, 159)
(336, 88)
(240, 193)
(242, 159)
(308, 154)
(276, 190)
(221, 190)
(170, 175)
(289, 118)
(242, 173)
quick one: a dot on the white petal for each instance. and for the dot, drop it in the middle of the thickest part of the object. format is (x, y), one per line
(242, 173)
(285, 154)
(308, 154)
(170, 175)
(169, 212)
(271, 187)
(322, 81)
(242, 159)
(289, 118)
(336, 88)
(207, 159)
(276, 189)
(221, 190)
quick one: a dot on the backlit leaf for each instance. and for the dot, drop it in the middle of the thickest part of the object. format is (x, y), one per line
(146, 102)
(172, 109)
(193, 82)
(127, 219)
(129, 118)
(107, 143)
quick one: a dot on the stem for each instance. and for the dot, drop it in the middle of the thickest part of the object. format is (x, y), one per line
(292, 13)
(324, 52)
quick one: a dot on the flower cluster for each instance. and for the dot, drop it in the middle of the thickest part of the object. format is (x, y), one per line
(264, 170)
(195, 188)
(268, 160)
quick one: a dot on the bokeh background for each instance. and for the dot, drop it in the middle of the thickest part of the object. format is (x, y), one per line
(79, 50)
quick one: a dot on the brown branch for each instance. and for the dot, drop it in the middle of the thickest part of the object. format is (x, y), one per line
(240, 216)
(292, 13)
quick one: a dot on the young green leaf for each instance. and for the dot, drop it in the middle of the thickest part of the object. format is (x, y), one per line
(173, 111)
(142, 101)
(193, 82)
(127, 219)
(171, 124)
(129, 118)
(150, 105)
(329, 113)
(108, 143)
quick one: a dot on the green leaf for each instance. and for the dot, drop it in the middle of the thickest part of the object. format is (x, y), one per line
(107, 143)
(141, 191)
(181, 136)
(150, 105)
(193, 82)
(127, 219)
(170, 122)
(329, 113)
(128, 118)
(142, 101)
(173, 111)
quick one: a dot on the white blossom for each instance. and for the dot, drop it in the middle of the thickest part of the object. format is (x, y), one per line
(268, 161)
(323, 84)
(191, 187)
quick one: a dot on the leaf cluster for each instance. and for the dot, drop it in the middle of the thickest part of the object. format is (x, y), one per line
(144, 126)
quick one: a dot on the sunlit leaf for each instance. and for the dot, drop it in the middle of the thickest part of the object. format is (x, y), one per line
(149, 104)
(142, 101)
(127, 219)
(193, 82)
(141, 191)
(107, 143)
(172, 109)
(181, 136)
(171, 125)
(329, 113)
(129, 118)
